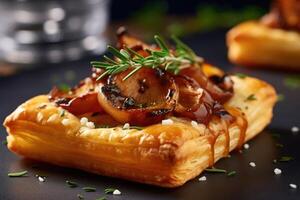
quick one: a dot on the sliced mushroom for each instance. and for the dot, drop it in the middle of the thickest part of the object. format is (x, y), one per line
(144, 98)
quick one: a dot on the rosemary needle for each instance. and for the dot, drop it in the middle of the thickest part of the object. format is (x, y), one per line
(215, 170)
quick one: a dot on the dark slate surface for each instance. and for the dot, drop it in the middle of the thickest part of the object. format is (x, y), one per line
(249, 183)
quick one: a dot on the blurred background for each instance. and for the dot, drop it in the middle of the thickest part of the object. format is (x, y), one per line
(36, 33)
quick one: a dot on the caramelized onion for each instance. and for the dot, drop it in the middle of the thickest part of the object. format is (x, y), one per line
(79, 100)
(145, 98)
(219, 94)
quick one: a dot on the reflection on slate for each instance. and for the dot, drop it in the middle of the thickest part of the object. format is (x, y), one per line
(51, 30)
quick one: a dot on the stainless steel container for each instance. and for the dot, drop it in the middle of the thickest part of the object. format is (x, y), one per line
(35, 31)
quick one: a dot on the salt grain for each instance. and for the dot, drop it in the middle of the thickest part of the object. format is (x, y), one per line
(83, 121)
(252, 164)
(246, 146)
(203, 178)
(52, 118)
(277, 171)
(117, 192)
(90, 125)
(194, 124)
(167, 122)
(293, 186)
(65, 122)
(126, 126)
(41, 179)
(295, 129)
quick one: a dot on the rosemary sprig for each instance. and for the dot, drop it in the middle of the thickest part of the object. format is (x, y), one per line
(165, 58)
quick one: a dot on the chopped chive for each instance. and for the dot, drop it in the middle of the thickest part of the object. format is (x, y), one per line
(285, 159)
(241, 75)
(251, 97)
(80, 196)
(275, 135)
(292, 82)
(4, 142)
(280, 97)
(101, 198)
(62, 113)
(102, 126)
(64, 87)
(215, 170)
(109, 190)
(89, 189)
(17, 174)
(232, 173)
(71, 184)
(137, 127)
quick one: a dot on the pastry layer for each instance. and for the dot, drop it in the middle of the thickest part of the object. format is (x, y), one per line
(164, 155)
(254, 44)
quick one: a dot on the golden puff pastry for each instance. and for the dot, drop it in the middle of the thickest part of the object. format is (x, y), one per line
(254, 44)
(166, 154)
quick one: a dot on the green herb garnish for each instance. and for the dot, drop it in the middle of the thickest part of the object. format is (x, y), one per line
(109, 190)
(102, 126)
(279, 145)
(292, 82)
(215, 170)
(285, 159)
(101, 198)
(136, 127)
(62, 113)
(71, 184)
(172, 61)
(275, 135)
(251, 97)
(280, 97)
(64, 87)
(80, 196)
(4, 142)
(89, 189)
(17, 174)
(240, 75)
(232, 173)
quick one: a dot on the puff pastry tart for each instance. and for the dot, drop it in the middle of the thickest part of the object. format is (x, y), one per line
(272, 42)
(152, 114)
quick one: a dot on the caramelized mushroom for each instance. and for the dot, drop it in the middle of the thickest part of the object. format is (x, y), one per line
(144, 98)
